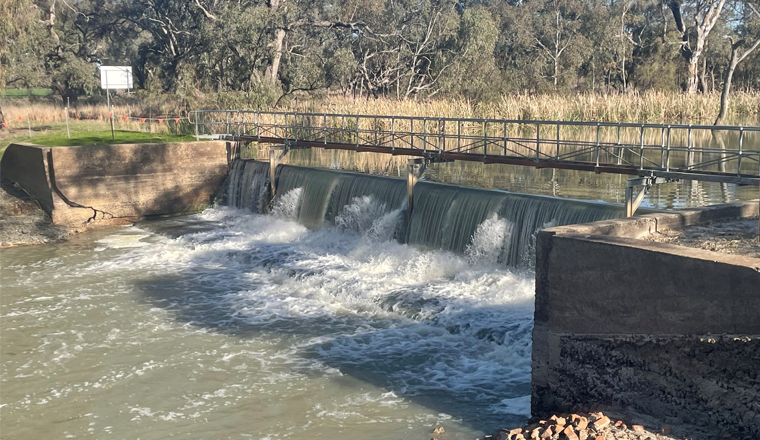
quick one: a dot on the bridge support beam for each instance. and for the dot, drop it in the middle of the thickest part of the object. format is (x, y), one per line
(632, 203)
(412, 176)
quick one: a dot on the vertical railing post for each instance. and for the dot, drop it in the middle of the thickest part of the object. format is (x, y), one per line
(598, 145)
(424, 134)
(375, 130)
(641, 148)
(357, 132)
(505, 138)
(485, 138)
(411, 132)
(343, 129)
(667, 157)
(442, 126)
(459, 136)
(324, 127)
(196, 125)
(689, 156)
(662, 147)
(741, 148)
(393, 133)
(619, 148)
(538, 141)
(558, 141)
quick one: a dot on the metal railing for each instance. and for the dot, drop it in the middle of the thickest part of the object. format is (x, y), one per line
(698, 152)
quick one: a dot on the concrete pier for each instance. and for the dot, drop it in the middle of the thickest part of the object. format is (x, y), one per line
(659, 329)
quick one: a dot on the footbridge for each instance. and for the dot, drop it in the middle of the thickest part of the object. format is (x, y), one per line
(650, 153)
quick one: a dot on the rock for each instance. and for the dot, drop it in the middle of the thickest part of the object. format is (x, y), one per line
(570, 433)
(600, 437)
(514, 432)
(602, 422)
(581, 423)
(666, 429)
(548, 432)
(535, 434)
(439, 430)
(583, 434)
(638, 428)
(559, 421)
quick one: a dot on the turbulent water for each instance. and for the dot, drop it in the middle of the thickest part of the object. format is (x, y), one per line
(230, 324)
(312, 315)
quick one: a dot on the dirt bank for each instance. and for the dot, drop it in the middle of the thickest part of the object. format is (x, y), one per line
(22, 222)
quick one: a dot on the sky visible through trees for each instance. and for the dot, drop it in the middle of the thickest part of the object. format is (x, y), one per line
(255, 52)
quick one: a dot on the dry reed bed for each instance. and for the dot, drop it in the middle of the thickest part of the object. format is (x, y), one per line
(647, 107)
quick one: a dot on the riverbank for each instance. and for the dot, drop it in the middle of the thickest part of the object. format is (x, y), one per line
(23, 222)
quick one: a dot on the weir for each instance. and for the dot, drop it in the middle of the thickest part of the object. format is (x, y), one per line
(445, 216)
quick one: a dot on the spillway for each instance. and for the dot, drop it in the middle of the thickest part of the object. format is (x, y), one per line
(480, 223)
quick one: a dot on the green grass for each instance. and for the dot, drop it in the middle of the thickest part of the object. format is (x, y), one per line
(58, 138)
(104, 137)
(23, 93)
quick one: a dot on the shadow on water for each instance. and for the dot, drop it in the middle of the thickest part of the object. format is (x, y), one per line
(399, 343)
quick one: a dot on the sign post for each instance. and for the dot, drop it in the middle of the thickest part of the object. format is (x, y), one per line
(114, 77)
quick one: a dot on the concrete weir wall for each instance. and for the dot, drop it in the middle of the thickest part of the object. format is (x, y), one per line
(112, 184)
(659, 329)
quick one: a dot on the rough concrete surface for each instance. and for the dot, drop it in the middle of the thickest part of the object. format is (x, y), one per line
(735, 237)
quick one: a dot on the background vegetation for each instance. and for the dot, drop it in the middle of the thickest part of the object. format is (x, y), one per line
(485, 54)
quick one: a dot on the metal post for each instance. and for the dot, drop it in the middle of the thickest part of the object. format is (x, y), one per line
(393, 133)
(110, 115)
(485, 138)
(68, 132)
(598, 129)
(667, 156)
(689, 156)
(442, 145)
(641, 153)
(197, 138)
(29, 121)
(558, 141)
(272, 169)
(619, 150)
(538, 141)
(424, 134)
(459, 135)
(375, 130)
(741, 144)
(324, 123)
(411, 133)
(357, 132)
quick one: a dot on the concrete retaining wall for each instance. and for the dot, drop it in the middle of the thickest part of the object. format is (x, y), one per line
(658, 328)
(111, 184)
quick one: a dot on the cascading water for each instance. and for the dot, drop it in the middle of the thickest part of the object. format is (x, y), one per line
(495, 225)
(450, 217)
(248, 186)
(326, 193)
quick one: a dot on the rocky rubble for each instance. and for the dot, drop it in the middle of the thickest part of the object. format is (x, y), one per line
(593, 426)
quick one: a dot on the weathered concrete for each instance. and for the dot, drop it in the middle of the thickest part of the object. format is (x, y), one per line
(628, 322)
(82, 186)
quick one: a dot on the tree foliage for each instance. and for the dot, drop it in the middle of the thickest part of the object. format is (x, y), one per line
(259, 52)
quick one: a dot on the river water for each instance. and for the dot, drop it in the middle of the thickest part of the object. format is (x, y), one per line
(230, 324)
(234, 323)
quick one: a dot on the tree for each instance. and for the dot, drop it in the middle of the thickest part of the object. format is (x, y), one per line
(742, 47)
(705, 14)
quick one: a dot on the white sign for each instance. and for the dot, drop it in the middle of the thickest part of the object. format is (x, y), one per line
(116, 77)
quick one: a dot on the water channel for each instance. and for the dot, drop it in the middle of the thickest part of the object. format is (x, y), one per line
(324, 315)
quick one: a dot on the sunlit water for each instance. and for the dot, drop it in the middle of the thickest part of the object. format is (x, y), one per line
(229, 324)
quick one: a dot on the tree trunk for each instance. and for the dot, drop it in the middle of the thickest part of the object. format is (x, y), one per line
(703, 76)
(273, 69)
